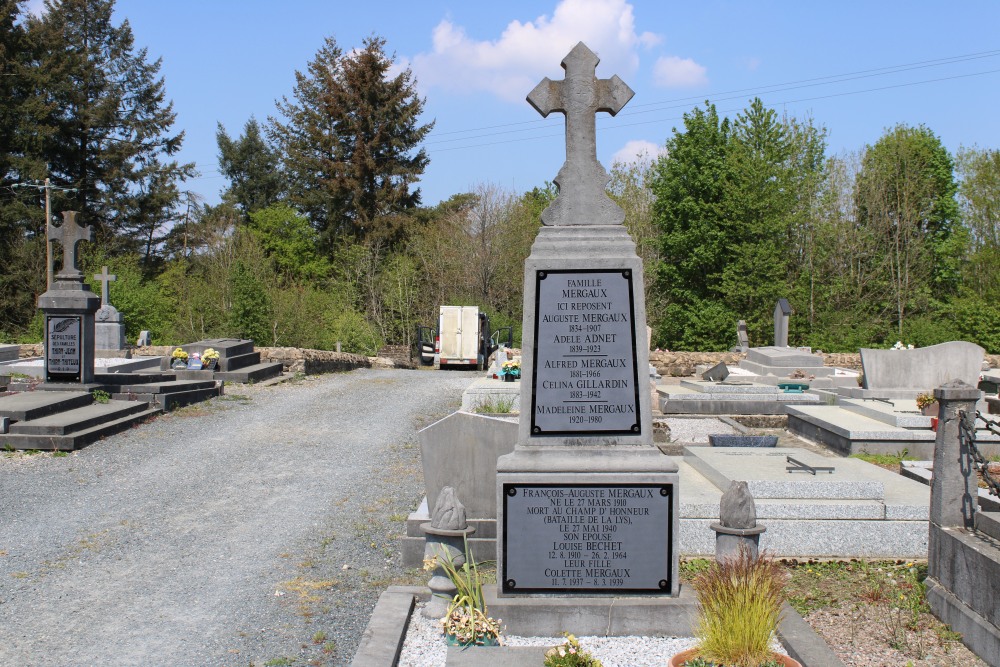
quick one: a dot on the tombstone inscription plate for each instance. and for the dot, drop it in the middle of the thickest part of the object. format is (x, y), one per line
(62, 347)
(587, 538)
(585, 378)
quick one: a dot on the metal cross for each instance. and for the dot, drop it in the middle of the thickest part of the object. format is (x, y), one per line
(104, 278)
(582, 199)
(69, 235)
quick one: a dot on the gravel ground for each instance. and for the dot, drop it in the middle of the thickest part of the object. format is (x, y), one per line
(255, 529)
(424, 646)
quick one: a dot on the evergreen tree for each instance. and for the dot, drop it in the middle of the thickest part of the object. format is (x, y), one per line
(347, 141)
(111, 124)
(252, 167)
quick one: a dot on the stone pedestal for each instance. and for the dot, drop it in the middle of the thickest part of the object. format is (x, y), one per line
(69, 309)
(586, 504)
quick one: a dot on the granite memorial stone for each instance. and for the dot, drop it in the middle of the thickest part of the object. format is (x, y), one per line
(69, 308)
(782, 313)
(586, 504)
(109, 328)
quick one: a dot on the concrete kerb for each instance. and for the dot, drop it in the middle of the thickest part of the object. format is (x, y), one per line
(382, 640)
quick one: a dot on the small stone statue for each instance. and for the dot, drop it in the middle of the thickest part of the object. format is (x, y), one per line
(449, 512)
(737, 523)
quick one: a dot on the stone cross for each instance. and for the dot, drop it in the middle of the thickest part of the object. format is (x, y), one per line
(582, 199)
(69, 235)
(104, 278)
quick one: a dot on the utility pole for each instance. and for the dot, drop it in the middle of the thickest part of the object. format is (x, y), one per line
(48, 187)
(48, 239)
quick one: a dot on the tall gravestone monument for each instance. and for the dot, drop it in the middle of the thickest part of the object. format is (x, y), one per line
(586, 504)
(69, 308)
(109, 329)
(782, 313)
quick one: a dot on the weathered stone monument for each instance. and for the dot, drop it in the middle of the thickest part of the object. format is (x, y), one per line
(782, 313)
(587, 506)
(69, 309)
(109, 329)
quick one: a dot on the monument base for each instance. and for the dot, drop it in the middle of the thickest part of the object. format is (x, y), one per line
(587, 521)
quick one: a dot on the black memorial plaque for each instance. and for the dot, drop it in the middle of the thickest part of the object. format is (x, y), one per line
(587, 538)
(63, 347)
(585, 377)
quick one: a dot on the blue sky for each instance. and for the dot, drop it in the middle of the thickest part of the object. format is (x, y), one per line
(903, 62)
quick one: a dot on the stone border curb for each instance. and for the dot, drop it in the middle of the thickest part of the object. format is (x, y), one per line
(382, 640)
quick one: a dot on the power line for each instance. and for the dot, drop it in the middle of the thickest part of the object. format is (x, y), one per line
(540, 124)
(611, 125)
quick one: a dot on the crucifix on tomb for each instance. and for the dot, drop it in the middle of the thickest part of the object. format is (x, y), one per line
(104, 278)
(69, 235)
(582, 198)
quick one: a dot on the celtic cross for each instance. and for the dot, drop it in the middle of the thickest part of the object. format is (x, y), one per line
(582, 198)
(69, 235)
(104, 278)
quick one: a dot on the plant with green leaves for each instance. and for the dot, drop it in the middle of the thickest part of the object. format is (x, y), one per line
(467, 622)
(100, 396)
(740, 599)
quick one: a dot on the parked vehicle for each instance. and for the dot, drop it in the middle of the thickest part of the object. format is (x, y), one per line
(463, 339)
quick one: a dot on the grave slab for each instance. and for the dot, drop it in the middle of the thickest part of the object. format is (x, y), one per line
(766, 474)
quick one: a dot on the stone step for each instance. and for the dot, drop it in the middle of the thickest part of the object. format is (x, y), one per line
(989, 523)
(119, 379)
(783, 371)
(174, 400)
(239, 361)
(168, 387)
(254, 373)
(78, 419)
(78, 439)
(36, 404)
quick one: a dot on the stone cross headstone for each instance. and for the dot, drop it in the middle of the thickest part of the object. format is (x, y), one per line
(585, 452)
(582, 199)
(69, 308)
(104, 278)
(69, 235)
(782, 312)
(110, 329)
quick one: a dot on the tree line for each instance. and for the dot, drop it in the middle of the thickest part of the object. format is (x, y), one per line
(321, 235)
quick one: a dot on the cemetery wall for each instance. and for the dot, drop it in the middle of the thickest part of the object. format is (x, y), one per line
(668, 364)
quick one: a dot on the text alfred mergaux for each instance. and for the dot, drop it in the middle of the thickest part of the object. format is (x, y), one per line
(585, 377)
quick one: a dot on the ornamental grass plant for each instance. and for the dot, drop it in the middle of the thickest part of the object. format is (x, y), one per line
(467, 620)
(741, 599)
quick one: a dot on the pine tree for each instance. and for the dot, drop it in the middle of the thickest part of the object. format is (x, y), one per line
(111, 122)
(348, 140)
(252, 167)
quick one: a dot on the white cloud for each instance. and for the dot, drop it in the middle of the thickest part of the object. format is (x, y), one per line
(513, 64)
(675, 72)
(638, 151)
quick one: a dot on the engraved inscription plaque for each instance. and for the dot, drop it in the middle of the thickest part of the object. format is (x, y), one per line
(585, 377)
(62, 351)
(587, 538)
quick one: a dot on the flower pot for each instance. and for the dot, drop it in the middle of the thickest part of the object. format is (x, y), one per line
(179, 365)
(682, 657)
(930, 410)
(209, 364)
(452, 640)
(508, 378)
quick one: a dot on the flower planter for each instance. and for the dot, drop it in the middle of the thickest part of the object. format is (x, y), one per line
(179, 365)
(452, 640)
(930, 410)
(682, 657)
(209, 364)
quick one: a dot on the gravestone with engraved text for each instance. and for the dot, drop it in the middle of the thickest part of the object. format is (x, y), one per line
(586, 504)
(69, 308)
